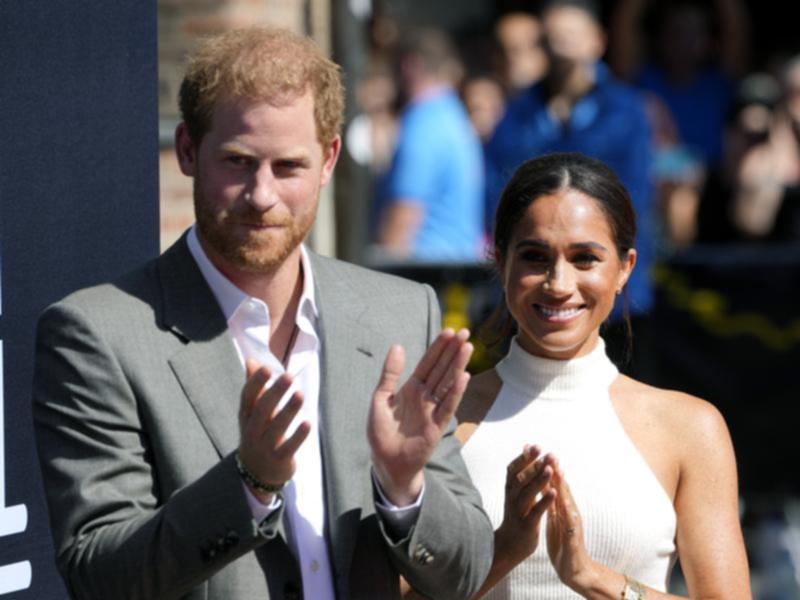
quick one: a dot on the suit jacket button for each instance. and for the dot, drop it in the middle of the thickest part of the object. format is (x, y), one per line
(422, 555)
(231, 539)
(292, 591)
(208, 552)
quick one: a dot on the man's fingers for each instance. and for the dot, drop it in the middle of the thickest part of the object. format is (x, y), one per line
(288, 448)
(457, 379)
(431, 356)
(448, 405)
(251, 365)
(441, 375)
(265, 406)
(274, 432)
(392, 369)
(257, 378)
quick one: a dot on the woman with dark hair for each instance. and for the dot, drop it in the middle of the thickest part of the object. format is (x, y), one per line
(626, 476)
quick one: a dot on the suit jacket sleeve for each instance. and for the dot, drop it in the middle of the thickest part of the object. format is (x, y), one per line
(448, 552)
(116, 537)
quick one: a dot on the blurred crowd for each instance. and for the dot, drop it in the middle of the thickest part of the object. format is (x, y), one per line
(666, 93)
(669, 94)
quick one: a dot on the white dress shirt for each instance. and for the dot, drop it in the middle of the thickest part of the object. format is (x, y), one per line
(249, 323)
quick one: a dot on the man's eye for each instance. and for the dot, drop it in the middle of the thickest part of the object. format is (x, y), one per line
(287, 165)
(237, 161)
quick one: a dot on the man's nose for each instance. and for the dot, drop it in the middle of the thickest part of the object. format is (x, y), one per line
(262, 194)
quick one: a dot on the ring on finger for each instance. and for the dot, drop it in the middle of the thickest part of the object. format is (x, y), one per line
(434, 398)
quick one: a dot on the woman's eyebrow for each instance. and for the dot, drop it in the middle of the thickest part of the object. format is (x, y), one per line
(542, 245)
(588, 245)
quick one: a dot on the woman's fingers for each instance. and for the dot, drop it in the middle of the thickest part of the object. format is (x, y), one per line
(534, 488)
(564, 517)
(525, 458)
(541, 506)
(570, 515)
(528, 488)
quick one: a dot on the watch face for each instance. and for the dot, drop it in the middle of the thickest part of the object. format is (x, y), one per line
(633, 590)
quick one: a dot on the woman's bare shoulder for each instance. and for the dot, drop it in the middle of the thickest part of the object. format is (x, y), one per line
(478, 398)
(682, 415)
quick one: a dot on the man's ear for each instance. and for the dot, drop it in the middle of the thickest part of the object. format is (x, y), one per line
(186, 150)
(330, 154)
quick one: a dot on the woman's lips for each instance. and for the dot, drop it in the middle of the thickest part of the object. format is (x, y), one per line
(561, 314)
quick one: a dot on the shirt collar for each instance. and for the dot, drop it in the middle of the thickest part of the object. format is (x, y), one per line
(230, 298)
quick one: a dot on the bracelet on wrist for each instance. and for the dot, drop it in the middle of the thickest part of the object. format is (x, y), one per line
(253, 481)
(633, 590)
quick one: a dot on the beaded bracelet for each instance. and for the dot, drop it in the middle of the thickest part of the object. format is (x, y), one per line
(255, 482)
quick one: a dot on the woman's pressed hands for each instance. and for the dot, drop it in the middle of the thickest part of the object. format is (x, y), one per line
(405, 425)
(264, 448)
(527, 496)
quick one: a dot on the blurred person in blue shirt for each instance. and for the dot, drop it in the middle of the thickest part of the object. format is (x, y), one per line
(679, 58)
(580, 107)
(430, 203)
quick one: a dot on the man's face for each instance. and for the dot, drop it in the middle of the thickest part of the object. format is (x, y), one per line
(572, 35)
(257, 177)
(520, 37)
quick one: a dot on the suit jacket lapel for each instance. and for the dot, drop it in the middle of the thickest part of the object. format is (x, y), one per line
(208, 366)
(349, 350)
(211, 375)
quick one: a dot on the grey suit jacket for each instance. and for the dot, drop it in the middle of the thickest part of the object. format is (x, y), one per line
(136, 394)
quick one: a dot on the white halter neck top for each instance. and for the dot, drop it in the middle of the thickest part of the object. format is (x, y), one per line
(564, 407)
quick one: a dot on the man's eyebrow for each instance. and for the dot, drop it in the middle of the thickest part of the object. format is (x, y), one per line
(234, 147)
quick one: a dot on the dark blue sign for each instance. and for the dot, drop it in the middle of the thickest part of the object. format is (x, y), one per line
(78, 205)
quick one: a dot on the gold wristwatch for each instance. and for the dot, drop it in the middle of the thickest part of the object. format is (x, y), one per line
(633, 590)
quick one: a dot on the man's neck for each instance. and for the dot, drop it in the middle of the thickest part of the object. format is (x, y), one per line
(279, 288)
(426, 86)
(565, 86)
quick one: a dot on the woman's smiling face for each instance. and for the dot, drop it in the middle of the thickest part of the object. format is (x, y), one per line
(561, 272)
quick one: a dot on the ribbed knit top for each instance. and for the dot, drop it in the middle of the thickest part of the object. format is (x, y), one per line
(564, 407)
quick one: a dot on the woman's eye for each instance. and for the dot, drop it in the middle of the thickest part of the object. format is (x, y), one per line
(535, 257)
(586, 259)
